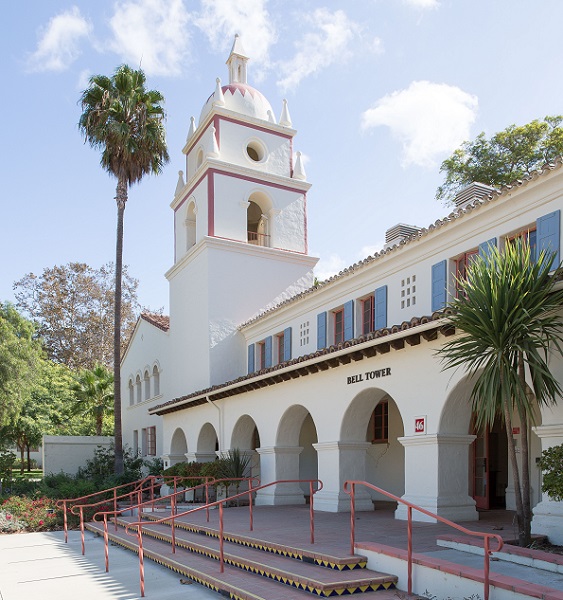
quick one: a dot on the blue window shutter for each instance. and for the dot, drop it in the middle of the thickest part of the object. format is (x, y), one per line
(321, 330)
(485, 247)
(439, 280)
(381, 307)
(287, 344)
(548, 235)
(349, 320)
(251, 358)
(268, 344)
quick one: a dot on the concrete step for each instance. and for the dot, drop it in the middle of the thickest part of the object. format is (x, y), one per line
(237, 582)
(316, 555)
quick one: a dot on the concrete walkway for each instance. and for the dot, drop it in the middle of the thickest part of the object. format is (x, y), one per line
(42, 566)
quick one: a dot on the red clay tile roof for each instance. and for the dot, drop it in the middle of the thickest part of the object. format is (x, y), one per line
(453, 216)
(245, 382)
(160, 321)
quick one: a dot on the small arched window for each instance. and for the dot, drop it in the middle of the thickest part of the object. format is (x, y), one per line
(131, 393)
(199, 160)
(139, 389)
(156, 380)
(147, 379)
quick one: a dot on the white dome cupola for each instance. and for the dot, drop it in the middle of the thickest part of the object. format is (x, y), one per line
(243, 183)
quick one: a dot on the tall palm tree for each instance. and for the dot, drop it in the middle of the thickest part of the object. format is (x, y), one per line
(93, 389)
(509, 315)
(126, 122)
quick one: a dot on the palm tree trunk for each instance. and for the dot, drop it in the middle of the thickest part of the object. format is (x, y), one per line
(121, 199)
(515, 473)
(527, 507)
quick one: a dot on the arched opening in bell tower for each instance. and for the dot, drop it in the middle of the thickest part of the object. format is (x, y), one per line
(190, 225)
(258, 226)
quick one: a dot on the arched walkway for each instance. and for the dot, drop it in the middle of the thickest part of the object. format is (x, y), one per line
(207, 444)
(246, 438)
(178, 447)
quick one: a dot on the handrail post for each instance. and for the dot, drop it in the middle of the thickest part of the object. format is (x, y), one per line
(139, 503)
(250, 504)
(221, 555)
(352, 517)
(486, 568)
(82, 528)
(106, 542)
(173, 511)
(207, 498)
(141, 561)
(311, 511)
(65, 522)
(115, 508)
(409, 548)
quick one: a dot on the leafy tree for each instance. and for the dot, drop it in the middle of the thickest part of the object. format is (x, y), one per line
(94, 394)
(507, 156)
(509, 316)
(551, 464)
(126, 122)
(20, 354)
(73, 308)
(24, 432)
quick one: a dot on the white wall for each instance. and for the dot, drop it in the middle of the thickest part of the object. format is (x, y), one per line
(68, 453)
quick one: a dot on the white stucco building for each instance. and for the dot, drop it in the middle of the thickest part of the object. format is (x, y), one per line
(334, 381)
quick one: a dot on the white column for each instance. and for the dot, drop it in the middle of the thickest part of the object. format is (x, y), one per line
(437, 477)
(278, 463)
(339, 461)
(273, 215)
(548, 514)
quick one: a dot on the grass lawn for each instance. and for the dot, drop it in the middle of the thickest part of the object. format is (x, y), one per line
(34, 474)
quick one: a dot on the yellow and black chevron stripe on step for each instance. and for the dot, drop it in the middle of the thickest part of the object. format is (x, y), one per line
(321, 562)
(176, 569)
(267, 548)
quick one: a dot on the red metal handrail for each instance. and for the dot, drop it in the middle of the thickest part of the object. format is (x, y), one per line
(75, 501)
(350, 489)
(139, 502)
(219, 503)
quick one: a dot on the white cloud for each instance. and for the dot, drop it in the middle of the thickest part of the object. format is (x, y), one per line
(58, 46)
(319, 49)
(429, 119)
(329, 266)
(221, 19)
(152, 34)
(423, 4)
(83, 79)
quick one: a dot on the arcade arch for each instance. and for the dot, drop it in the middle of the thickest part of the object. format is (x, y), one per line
(207, 443)
(246, 438)
(488, 479)
(178, 447)
(372, 424)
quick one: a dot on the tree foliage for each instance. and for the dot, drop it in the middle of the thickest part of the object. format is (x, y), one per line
(551, 464)
(93, 389)
(502, 159)
(509, 316)
(72, 306)
(125, 121)
(20, 354)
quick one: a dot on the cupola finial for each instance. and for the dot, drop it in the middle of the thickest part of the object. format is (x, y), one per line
(237, 62)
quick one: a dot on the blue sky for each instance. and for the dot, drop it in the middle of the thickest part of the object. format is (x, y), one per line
(380, 91)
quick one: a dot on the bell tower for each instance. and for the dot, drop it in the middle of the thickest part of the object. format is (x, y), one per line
(240, 227)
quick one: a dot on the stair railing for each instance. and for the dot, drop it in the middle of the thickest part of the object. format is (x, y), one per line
(220, 504)
(350, 489)
(135, 498)
(68, 504)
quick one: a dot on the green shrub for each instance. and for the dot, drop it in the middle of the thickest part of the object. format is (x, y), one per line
(551, 464)
(30, 514)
